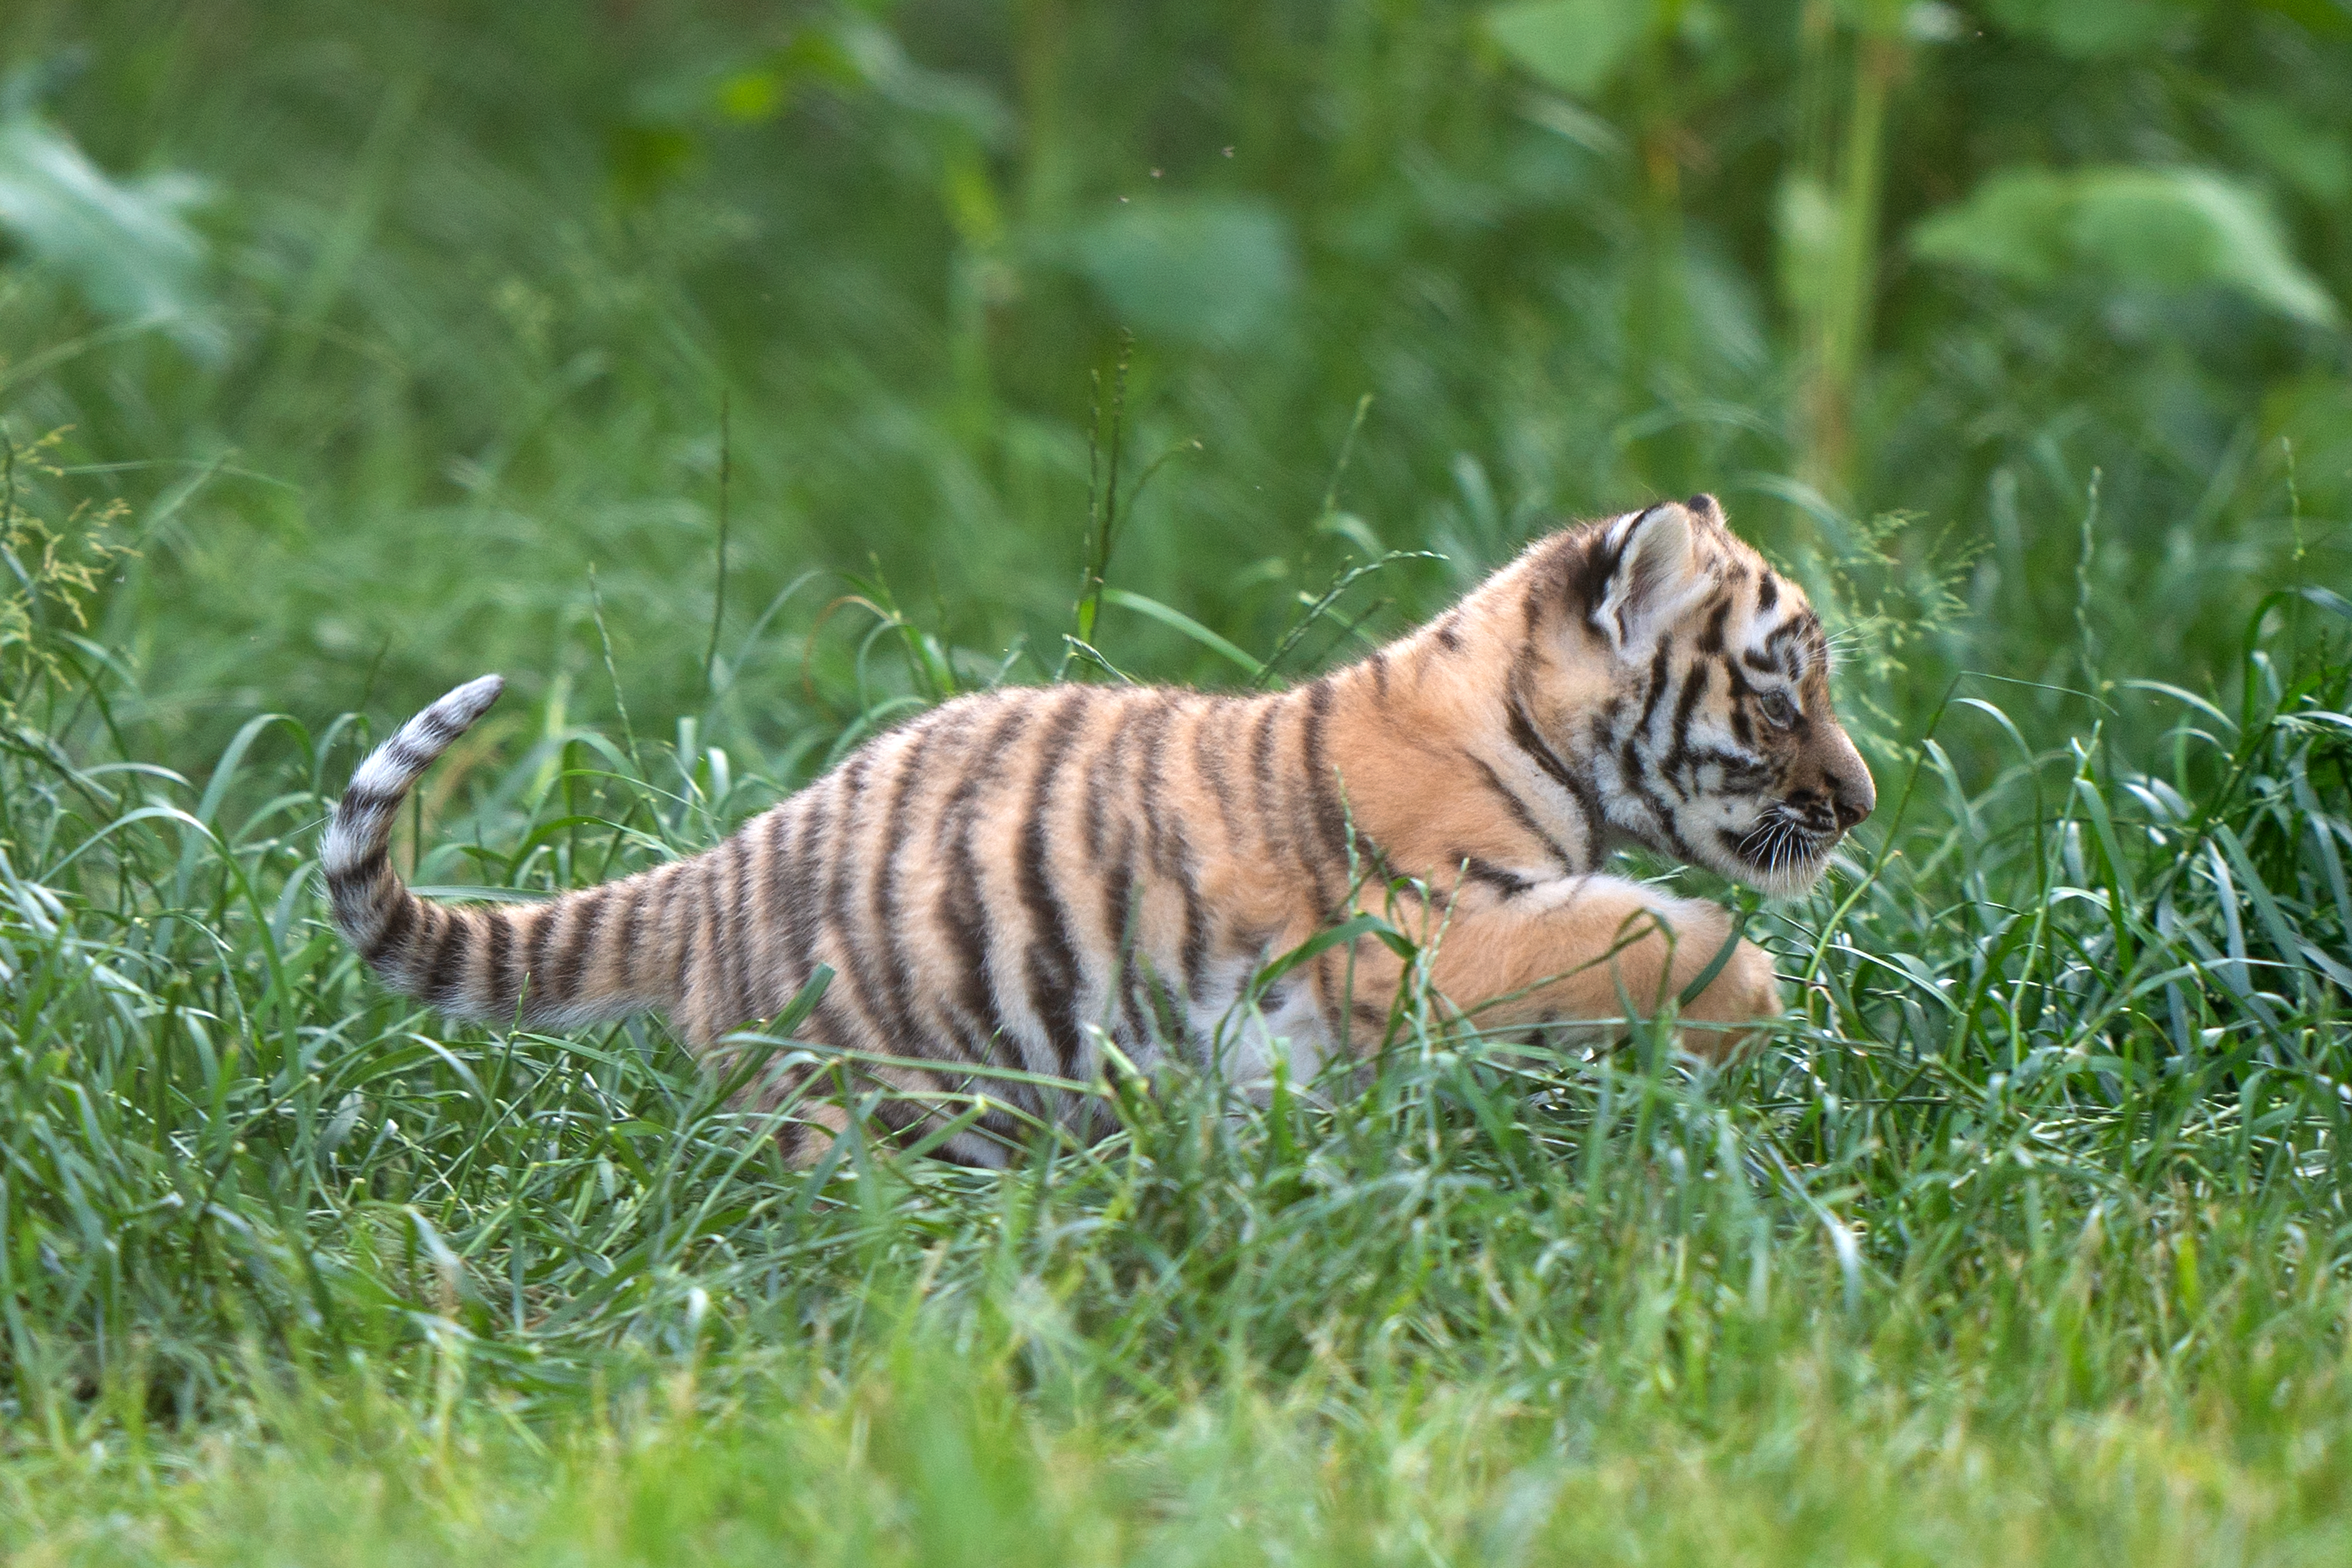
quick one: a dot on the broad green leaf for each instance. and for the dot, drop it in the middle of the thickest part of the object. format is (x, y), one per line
(1207, 269)
(2154, 228)
(2312, 158)
(122, 246)
(1575, 46)
(2014, 225)
(2089, 28)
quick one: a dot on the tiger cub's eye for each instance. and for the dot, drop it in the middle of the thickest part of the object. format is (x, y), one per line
(1778, 710)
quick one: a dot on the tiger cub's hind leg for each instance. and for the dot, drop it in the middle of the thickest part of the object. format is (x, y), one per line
(1588, 948)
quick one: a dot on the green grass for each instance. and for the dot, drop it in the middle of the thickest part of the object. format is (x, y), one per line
(929, 1457)
(2025, 1234)
(2024, 1239)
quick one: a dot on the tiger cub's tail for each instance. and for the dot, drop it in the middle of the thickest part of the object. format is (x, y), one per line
(537, 964)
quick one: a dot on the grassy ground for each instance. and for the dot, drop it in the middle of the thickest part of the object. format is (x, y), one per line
(2025, 1239)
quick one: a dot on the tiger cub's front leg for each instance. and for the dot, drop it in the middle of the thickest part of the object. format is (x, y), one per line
(1587, 948)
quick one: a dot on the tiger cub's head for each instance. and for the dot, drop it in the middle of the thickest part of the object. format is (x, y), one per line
(1703, 677)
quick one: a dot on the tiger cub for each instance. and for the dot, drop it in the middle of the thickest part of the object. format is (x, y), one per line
(1016, 876)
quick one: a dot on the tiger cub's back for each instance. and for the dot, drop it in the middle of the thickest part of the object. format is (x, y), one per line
(991, 883)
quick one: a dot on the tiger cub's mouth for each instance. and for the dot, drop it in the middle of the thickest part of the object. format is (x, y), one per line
(1786, 845)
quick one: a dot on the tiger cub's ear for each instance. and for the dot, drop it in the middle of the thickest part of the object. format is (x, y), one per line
(1652, 580)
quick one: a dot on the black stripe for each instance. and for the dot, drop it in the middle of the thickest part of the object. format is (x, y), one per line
(1742, 695)
(1510, 884)
(803, 903)
(1149, 759)
(1767, 592)
(1107, 758)
(897, 999)
(860, 995)
(436, 723)
(1173, 857)
(769, 984)
(1579, 788)
(1630, 761)
(736, 958)
(449, 951)
(1164, 846)
(1379, 663)
(1315, 845)
(362, 872)
(534, 963)
(633, 911)
(1120, 919)
(974, 1012)
(359, 907)
(1711, 640)
(396, 926)
(359, 801)
(1659, 669)
(1522, 815)
(1795, 626)
(697, 907)
(1553, 576)
(504, 987)
(1449, 633)
(1589, 571)
(1329, 832)
(1524, 672)
(1209, 761)
(1194, 956)
(1685, 705)
(590, 910)
(1738, 772)
(787, 970)
(402, 752)
(716, 906)
(1118, 912)
(1262, 775)
(1052, 961)
(814, 862)
(977, 1013)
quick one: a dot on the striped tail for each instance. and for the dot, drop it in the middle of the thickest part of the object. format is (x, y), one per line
(540, 964)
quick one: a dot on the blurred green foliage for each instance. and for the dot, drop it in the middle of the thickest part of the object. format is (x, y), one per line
(468, 283)
(2156, 229)
(348, 350)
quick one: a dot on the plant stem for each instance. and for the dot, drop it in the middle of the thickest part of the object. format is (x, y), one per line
(718, 605)
(1835, 328)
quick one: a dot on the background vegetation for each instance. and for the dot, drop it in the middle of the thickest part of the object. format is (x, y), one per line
(735, 377)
